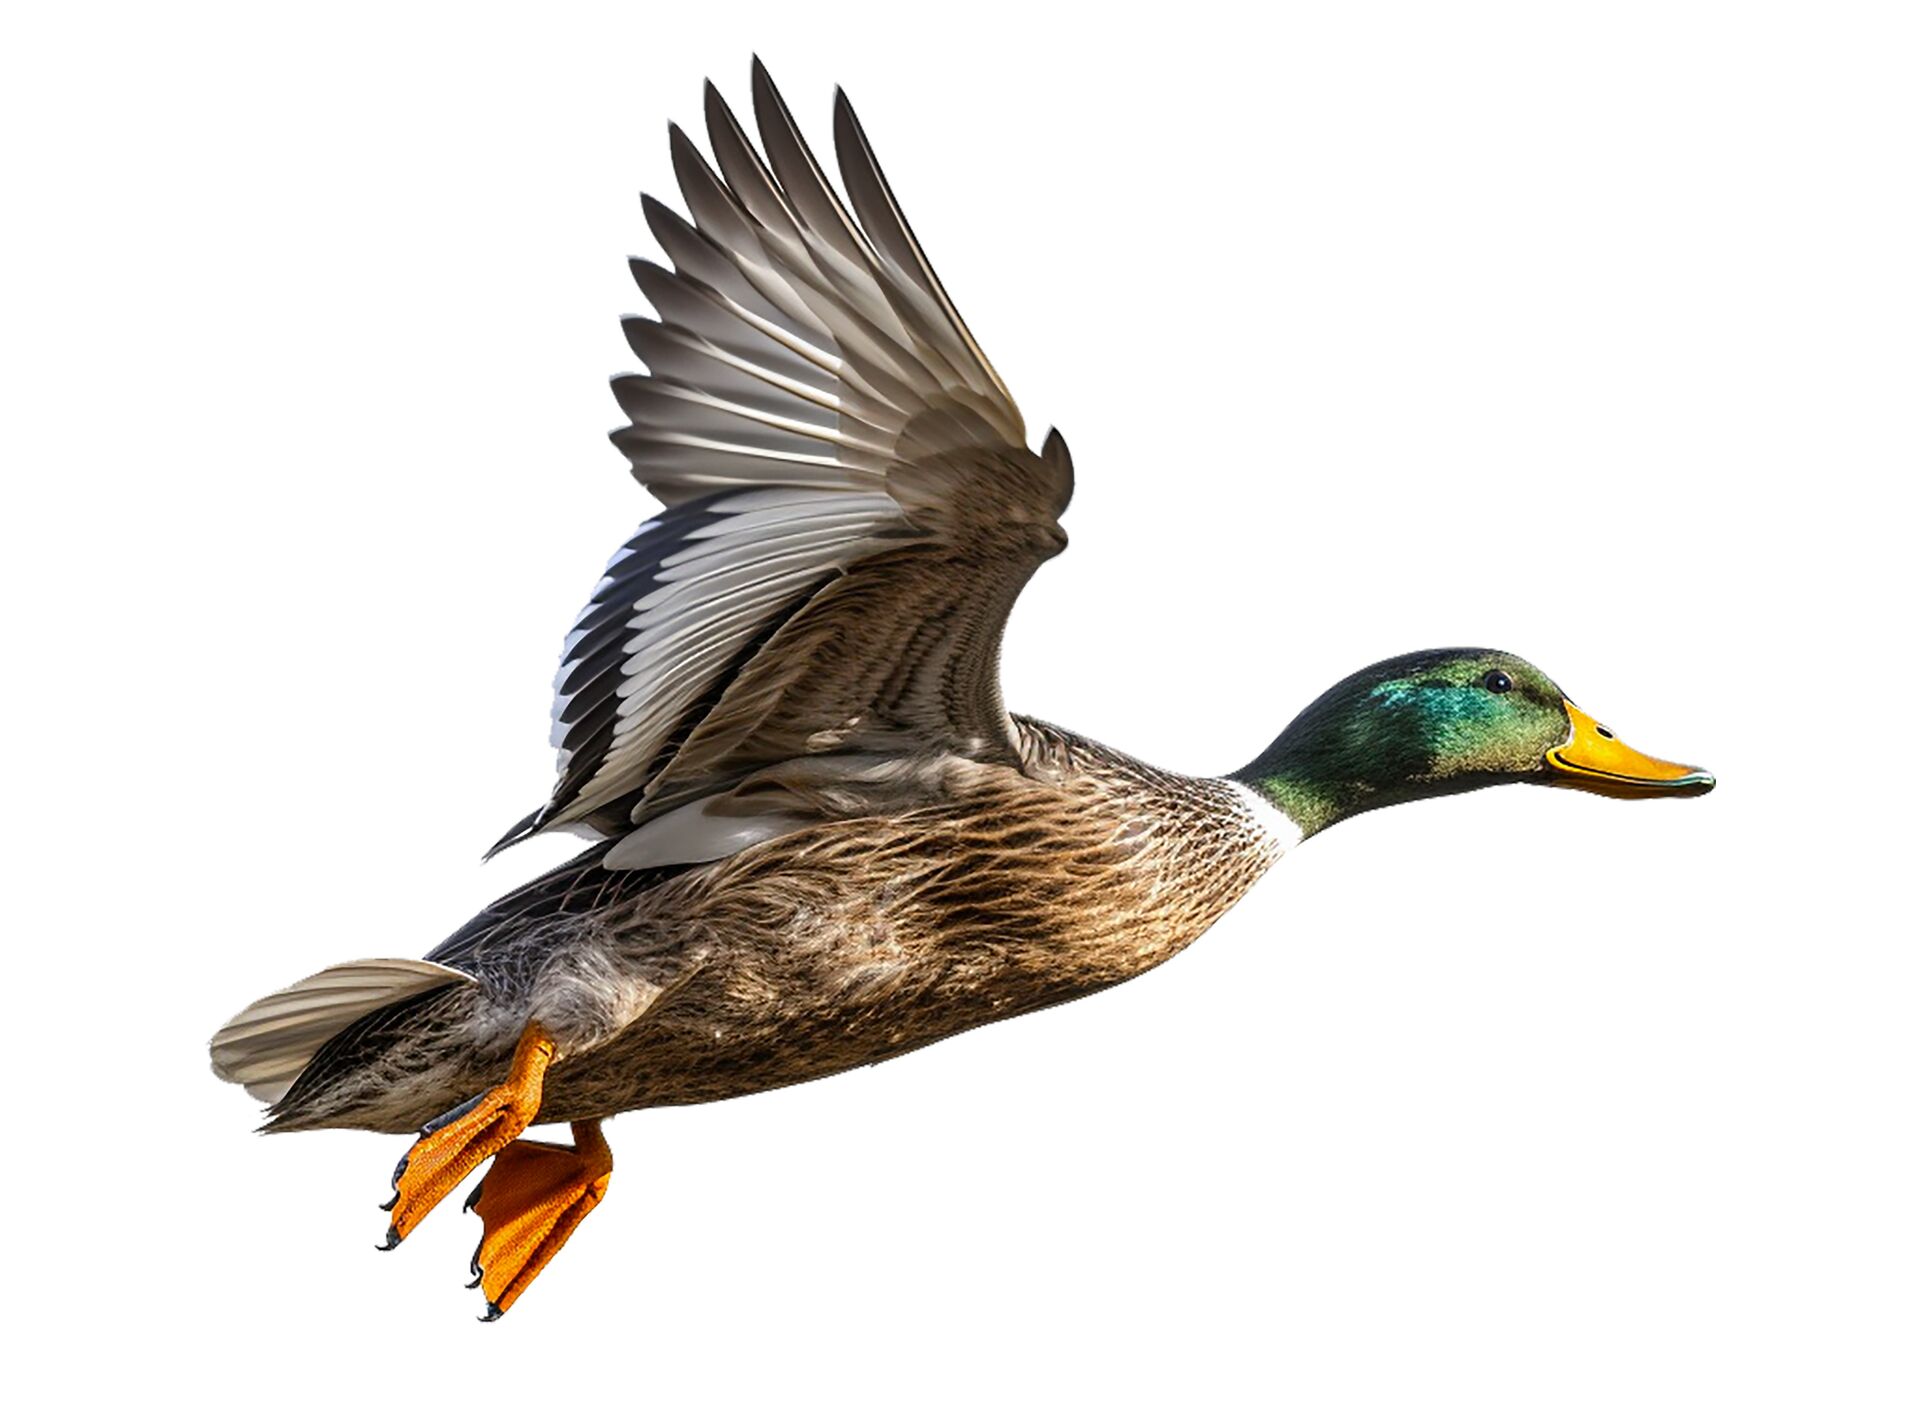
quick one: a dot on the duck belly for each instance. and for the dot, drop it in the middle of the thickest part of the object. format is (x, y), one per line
(835, 950)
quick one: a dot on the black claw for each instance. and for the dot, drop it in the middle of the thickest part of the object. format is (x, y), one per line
(459, 1110)
(494, 1313)
(393, 1240)
(473, 1197)
(400, 1170)
(390, 1203)
(474, 1267)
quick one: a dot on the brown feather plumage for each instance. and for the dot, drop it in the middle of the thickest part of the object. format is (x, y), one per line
(843, 944)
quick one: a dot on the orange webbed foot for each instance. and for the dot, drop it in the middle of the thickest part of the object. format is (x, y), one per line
(530, 1201)
(455, 1144)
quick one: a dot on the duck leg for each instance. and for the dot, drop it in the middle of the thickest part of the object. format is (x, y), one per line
(530, 1201)
(457, 1142)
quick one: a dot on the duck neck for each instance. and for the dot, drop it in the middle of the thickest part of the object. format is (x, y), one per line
(1328, 766)
(1308, 802)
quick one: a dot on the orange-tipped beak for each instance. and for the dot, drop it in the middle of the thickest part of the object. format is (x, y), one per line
(1594, 760)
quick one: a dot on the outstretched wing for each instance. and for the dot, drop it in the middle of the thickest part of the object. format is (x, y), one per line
(851, 508)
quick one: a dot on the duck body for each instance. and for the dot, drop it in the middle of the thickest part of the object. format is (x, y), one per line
(823, 949)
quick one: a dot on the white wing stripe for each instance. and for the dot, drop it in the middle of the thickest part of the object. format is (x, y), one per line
(708, 594)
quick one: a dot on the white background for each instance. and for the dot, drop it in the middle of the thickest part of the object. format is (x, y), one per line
(1587, 332)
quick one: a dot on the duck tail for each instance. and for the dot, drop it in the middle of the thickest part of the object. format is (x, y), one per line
(266, 1046)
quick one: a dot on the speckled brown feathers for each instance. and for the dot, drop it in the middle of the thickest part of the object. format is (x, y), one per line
(820, 951)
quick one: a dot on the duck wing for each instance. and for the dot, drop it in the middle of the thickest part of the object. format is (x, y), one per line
(850, 505)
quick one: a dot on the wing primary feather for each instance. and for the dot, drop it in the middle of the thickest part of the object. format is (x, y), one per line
(690, 307)
(800, 176)
(857, 277)
(676, 353)
(746, 174)
(880, 213)
(709, 200)
(695, 257)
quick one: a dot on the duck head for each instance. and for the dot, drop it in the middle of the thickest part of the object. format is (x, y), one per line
(1441, 721)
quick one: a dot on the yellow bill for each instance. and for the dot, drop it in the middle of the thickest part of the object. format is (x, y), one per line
(1594, 760)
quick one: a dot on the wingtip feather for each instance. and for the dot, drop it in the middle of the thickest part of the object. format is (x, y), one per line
(527, 826)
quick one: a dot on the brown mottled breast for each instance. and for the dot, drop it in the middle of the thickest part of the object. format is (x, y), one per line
(852, 942)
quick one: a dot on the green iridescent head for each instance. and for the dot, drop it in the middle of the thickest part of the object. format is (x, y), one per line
(1441, 721)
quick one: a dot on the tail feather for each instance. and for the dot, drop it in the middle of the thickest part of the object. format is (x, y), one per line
(265, 1046)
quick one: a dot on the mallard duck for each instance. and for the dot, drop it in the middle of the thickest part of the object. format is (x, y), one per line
(818, 838)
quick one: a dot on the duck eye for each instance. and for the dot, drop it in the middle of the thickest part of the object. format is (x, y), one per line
(1497, 682)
